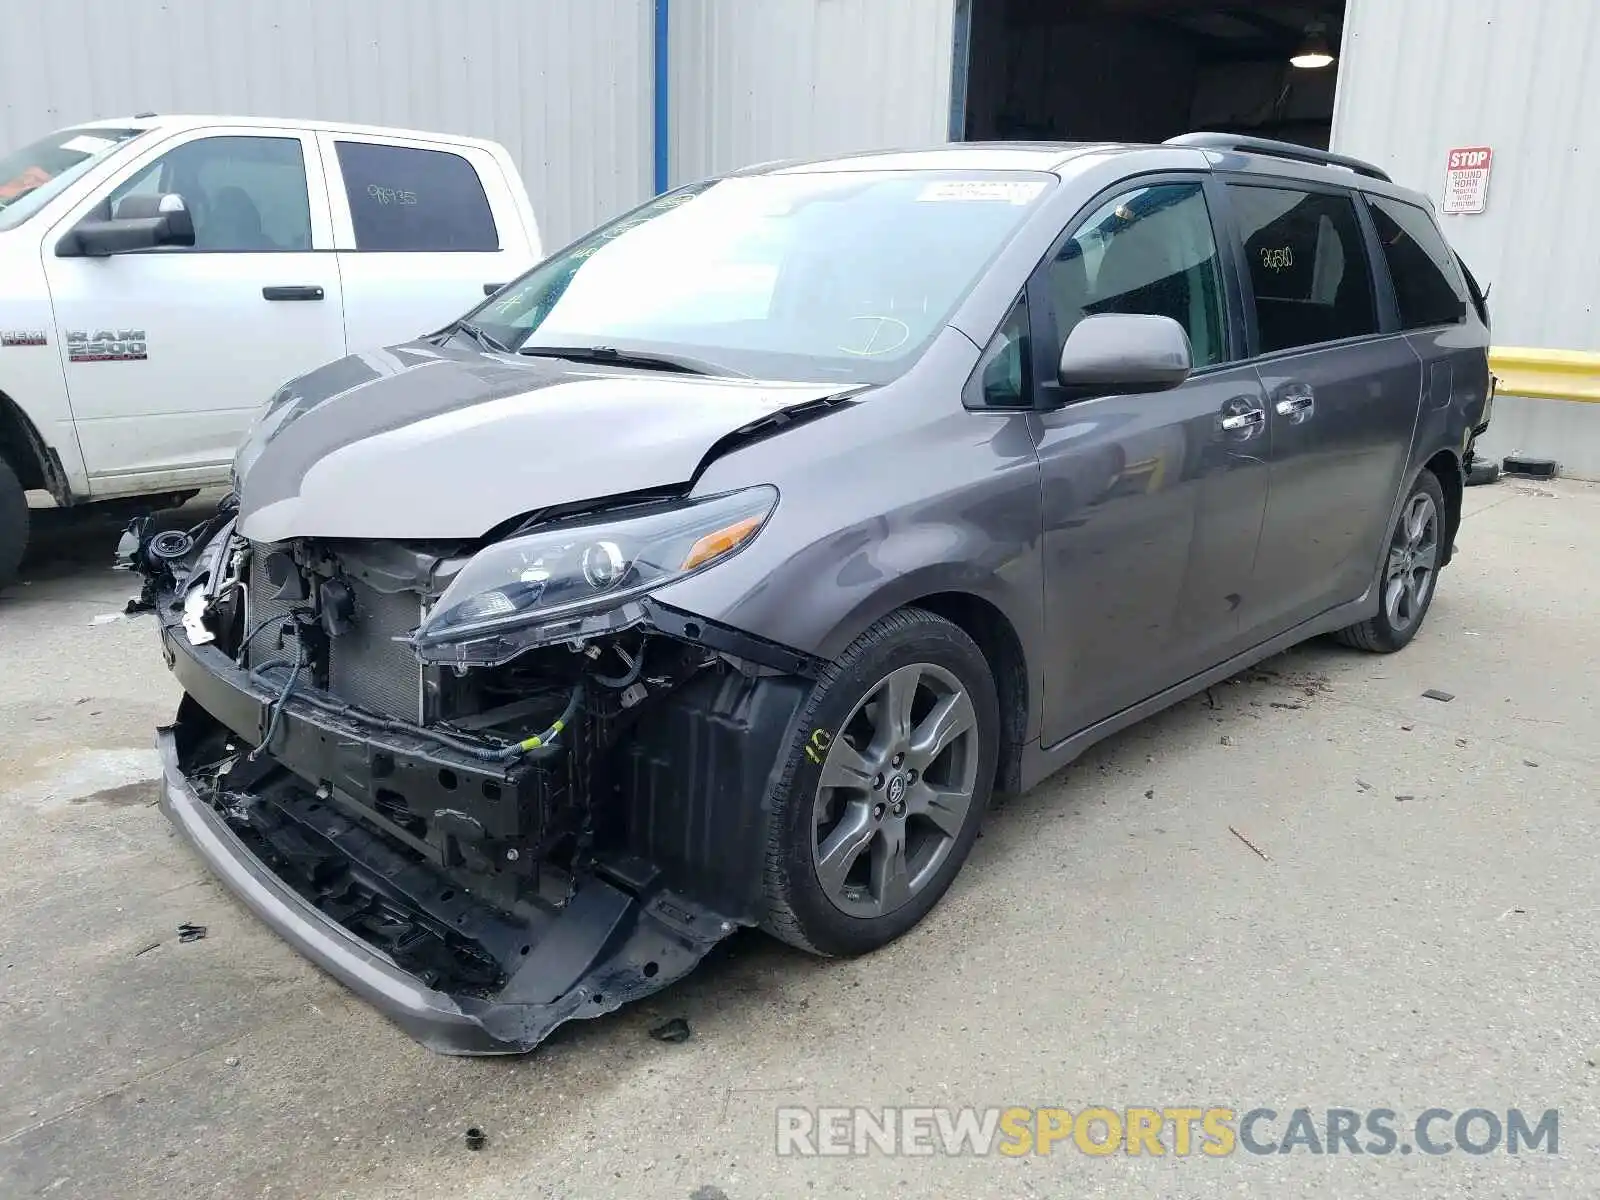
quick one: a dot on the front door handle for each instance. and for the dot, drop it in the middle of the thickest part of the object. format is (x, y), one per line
(292, 292)
(1241, 422)
(1296, 403)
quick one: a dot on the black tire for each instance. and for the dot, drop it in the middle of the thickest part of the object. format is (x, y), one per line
(1482, 471)
(14, 524)
(798, 910)
(1381, 633)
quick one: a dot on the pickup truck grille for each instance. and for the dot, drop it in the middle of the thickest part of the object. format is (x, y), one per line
(366, 667)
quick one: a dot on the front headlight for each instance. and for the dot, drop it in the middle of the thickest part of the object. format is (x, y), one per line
(576, 578)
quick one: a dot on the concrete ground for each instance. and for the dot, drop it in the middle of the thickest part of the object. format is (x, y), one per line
(1411, 924)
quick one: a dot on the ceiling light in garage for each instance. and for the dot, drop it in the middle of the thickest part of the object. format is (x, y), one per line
(1314, 51)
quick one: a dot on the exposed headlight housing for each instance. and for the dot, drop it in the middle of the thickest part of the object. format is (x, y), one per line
(581, 578)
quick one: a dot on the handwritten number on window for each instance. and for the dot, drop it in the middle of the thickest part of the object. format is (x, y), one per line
(387, 195)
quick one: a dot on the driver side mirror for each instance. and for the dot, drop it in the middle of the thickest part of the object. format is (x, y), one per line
(139, 223)
(1123, 354)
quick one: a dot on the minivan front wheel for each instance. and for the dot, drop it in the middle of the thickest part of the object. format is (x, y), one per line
(888, 775)
(1409, 574)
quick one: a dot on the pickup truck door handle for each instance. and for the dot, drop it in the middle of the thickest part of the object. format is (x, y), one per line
(1296, 402)
(294, 292)
(490, 289)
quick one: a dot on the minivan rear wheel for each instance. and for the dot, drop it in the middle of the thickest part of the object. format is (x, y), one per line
(1409, 574)
(14, 523)
(889, 772)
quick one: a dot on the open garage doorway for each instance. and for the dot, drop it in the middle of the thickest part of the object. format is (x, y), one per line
(1145, 70)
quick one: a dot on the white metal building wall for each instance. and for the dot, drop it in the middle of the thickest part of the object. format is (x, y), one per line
(754, 80)
(1420, 77)
(566, 85)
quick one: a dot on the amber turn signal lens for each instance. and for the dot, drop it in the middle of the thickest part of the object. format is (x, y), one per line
(715, 545)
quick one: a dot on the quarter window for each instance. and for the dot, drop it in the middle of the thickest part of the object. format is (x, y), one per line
(1151, 251)
(406, 199)
(1427, 287)
(1004, 375)
(1308, 266)
(245, 194)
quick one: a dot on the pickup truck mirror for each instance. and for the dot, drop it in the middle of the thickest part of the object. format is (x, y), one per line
(1122, 354)
(139, 223)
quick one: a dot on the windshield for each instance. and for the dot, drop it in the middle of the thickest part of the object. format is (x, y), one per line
(811, 276)
(29, 177)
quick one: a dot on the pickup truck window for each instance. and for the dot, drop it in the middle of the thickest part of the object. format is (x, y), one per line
(32, 175)
(406, 199)
(246, 194)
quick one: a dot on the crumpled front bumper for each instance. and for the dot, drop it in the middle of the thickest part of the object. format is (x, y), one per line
(433, 1018)
(622, 933)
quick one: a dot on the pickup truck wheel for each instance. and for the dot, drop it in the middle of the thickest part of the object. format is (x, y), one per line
(1409, 575)
(14, 523)
(887, 777)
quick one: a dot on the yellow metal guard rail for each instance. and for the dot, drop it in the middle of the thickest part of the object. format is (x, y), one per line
(1548, 374)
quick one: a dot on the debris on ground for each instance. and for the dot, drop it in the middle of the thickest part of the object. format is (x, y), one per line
(1249, 843)
(1403, 799)
(476, 1139)
(138, 605)
(1363, 785)
(1407, 728)
(231, 1061)
(1436, 694)
(1461, 741)
(106, 618)
(1281, 704)
(674, 1031)
(1529, 467)
(1226, 740)
(146, 949)
(191, 933)
(1149, 793)
(708, 1192)
(1510, 912)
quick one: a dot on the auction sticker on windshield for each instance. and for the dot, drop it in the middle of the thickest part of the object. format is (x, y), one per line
(1008, 191)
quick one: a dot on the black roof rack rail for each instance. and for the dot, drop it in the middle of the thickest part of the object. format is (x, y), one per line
(1288, 150)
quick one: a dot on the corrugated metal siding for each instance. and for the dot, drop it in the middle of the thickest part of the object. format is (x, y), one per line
(754, 80)
(1420, 77)
(564, 84)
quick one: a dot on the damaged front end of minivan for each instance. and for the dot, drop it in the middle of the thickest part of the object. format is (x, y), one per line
(491, 785)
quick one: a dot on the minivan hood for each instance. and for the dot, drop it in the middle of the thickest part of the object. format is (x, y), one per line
(419, 442)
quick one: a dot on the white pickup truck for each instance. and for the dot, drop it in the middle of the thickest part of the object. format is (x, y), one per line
(160, 277)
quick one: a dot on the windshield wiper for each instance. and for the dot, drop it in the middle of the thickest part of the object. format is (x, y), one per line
(644, 360)
(478, 334)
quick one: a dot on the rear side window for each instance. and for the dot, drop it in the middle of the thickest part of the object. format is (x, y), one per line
(406, 199)
(1308, 266)
(1427, 286)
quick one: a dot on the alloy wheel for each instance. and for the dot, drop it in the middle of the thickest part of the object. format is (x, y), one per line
(1413, 563)
(896, 787)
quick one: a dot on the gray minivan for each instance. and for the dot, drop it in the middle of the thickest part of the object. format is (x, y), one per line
(717, 571)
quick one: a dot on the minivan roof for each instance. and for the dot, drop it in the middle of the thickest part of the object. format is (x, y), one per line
(1248, 156)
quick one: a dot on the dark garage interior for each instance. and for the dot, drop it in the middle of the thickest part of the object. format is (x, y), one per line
(1145, 70)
